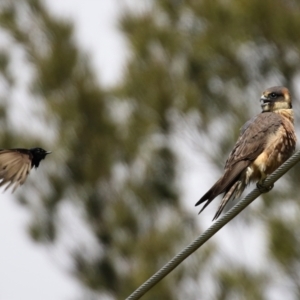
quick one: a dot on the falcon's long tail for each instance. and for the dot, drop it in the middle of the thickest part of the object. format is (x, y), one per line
(232, 188)
(234, 192)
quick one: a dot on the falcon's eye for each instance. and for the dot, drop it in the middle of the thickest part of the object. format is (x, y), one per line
(273, 95)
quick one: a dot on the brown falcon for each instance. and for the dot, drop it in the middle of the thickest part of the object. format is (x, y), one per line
(265, 142)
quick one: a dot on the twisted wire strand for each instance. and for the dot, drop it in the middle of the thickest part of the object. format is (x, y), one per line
(214, 228)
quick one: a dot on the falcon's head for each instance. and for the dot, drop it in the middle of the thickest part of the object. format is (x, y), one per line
(275, 98)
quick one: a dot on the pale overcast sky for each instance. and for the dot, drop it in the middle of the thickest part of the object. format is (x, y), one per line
(96, 32)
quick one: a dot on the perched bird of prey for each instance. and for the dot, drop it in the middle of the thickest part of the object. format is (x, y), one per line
(265, 142)
(15, 165)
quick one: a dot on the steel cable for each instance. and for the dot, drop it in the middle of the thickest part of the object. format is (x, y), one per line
(214, 228)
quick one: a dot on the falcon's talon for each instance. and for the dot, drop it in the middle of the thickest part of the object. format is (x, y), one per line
(264, 189)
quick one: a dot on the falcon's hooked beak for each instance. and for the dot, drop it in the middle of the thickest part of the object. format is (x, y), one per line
(265, 103)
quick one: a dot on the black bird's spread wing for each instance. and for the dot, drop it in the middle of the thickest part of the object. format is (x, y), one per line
(14, 168)
(250, 144)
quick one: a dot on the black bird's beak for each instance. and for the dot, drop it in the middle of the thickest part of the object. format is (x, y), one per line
(48, 152)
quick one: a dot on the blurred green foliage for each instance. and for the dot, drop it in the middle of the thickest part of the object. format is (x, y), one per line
(115, 161)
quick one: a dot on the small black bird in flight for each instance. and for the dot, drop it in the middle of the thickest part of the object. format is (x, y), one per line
(265, 142)
(15, 165)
